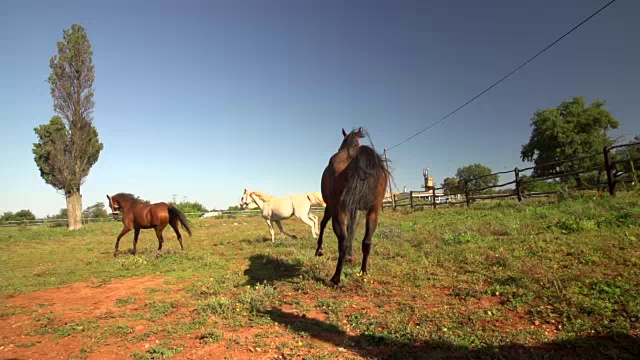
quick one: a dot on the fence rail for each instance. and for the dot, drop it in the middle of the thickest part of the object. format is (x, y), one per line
(470, 194)
(60, 222)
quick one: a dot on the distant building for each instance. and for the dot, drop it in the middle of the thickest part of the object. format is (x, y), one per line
(441, 198)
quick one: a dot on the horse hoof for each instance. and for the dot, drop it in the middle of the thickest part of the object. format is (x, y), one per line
(331, 284)
(319, 253)
(348, 259)
(115, 253)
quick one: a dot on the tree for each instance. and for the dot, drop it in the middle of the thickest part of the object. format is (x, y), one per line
(97, 210)
(477, 175)
(528, 186)
(190, 207)
(21, 215)
(24, 215)
(62, 214)
(143, 200)
(451, 185)
(68, 146)
(627, 155)
(570, 130)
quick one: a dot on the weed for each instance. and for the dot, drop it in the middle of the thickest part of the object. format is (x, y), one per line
(572, 225)
(160, 309)
(461, 238)
(125, 301)
(211, 336)
(156, 352)
(219, 305)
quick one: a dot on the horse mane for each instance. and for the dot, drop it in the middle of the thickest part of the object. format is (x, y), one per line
(351, 140)
(129, 196)
(263, 196)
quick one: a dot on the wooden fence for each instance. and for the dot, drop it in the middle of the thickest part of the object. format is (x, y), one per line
(64, 222)
(469, 194)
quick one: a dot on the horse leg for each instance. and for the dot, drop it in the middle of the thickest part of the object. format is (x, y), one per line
(315, 222)
(323, 225)
(309, 221)
(159, 230)
(282, 230)
(136, 233)
(340, 229)
(271, 230)
(122, 233)
(175, 227)
(372, 223)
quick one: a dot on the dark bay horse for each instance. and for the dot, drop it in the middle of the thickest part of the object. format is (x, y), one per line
(138, 215)
(355, 179)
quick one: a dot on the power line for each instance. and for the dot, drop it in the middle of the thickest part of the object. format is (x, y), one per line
(504, 77)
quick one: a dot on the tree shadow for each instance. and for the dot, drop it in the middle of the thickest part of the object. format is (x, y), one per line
(268, 269)
(619, 346)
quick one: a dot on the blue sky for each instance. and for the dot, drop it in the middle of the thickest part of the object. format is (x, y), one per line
(202, 99)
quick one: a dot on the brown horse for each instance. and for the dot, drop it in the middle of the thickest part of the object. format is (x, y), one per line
(355, 179)
(138, 215)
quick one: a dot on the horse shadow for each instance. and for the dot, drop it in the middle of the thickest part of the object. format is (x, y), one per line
(268, 269)
(616, 346)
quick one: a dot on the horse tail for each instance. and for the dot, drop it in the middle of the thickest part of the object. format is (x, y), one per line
(174, 213)
(363, 176)
(351, 227)
(316, 199)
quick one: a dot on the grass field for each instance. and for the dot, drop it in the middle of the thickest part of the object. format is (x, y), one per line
(499, 280)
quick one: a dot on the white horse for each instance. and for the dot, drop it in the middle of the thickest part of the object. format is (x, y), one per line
(278, 209)
(249, 207)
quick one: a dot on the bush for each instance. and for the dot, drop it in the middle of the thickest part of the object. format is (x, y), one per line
(21, 215)
(190, 207)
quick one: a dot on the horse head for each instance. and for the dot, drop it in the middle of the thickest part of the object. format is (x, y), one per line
(352, 139)
(246, 200)
(114, 205)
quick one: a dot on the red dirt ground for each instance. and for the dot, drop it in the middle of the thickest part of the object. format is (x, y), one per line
(92, 301)
(95, 304)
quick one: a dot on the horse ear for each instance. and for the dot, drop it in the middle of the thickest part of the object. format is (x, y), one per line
(109, 198)
(344, 133)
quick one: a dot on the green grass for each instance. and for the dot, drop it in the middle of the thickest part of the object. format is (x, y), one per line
(211, 336)
(125, 301)
(156, 352)
(494, 277)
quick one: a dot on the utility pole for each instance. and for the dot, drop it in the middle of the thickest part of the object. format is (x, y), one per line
(386, 161)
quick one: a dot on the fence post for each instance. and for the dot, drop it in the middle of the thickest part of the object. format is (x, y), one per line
(518, 192)
(633, 173)
(466, 192)
(433, 196)
(411, 198)
(393, 199)
(608, 168)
